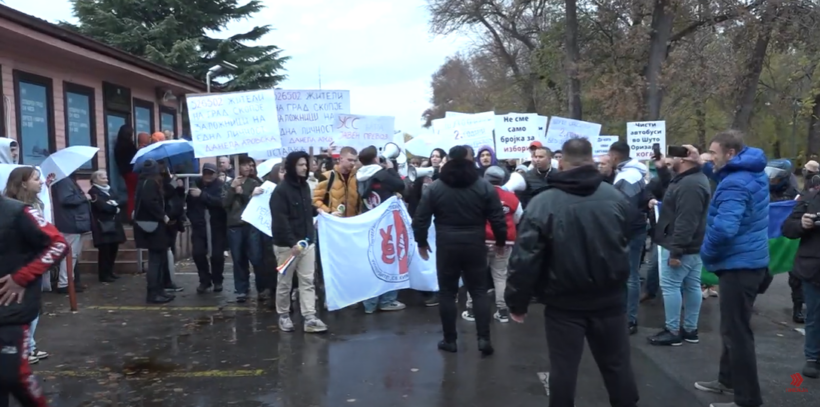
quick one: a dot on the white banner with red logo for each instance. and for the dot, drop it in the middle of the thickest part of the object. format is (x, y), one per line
(371, 254)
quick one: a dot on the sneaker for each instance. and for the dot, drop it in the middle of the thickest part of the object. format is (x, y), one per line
(39, 354)
(451, 347)
(202, 288)
(714, 387)
(285, 324)
(33, 360)
(468, 315)
(633, 328)
(502, 315)
(712, 292)
(665, 338)
(217, 288)
(314, 325)
(705, 293)
(811, 369)
(174, 288)
(241, 298)
(723, 405)
(392, 306)
(485, 347)
(691, 336)
(431, 301)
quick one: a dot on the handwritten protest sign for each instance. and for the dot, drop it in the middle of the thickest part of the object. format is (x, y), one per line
(474, 130)
(306, 117)
(233, 123)
(514, 132)
(257, 213)
(642, 135)
(601, 144)
(363, 131)
(541, 122)
(560, 130)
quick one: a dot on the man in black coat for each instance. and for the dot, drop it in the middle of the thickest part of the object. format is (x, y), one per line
(572, 249)
(461, 203)
(209, 228)
(537, 177)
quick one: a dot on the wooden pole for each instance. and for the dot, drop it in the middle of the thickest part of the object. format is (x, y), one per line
(72, 291)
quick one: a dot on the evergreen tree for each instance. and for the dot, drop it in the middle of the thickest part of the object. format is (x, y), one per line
(175, 33)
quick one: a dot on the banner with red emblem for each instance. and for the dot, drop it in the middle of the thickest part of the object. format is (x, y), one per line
(371, 254)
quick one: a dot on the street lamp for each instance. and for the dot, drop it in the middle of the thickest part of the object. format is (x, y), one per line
(217, 69)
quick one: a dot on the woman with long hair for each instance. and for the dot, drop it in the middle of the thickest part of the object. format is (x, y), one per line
(151, 229)
(124, 152)
(106, 227)
(24, 185)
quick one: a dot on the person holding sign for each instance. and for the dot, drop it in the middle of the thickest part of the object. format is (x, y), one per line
(209, 228)
(244, 240)
(292, 222)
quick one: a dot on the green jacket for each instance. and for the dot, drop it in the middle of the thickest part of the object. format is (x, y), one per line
(235, 203)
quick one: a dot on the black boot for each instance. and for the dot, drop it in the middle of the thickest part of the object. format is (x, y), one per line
(797, 313)
(448, 346)
(485, 347)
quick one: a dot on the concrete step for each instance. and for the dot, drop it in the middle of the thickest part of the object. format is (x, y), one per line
(124, 254)
(120, 267)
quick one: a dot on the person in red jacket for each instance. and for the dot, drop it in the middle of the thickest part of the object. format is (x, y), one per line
(30, 246)
(513, 210)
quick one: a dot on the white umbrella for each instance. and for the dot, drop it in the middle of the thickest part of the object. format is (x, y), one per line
(266, 167)
(64, 162)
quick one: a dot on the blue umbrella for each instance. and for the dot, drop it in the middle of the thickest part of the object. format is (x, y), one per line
(163, 150)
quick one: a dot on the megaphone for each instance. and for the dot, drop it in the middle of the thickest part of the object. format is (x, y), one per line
(391, 151)
(413, 173)
(516, 183)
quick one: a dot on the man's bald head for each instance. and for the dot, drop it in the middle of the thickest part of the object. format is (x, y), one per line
(577, 152)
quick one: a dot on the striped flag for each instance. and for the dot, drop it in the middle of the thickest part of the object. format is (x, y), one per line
(781, 249)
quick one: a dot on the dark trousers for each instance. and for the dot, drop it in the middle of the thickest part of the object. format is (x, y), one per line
(106, 258)
(608, 340)
(738, 361)
(246, 250)
(157, 267)
(209, 272)
(796, 284)
(16, 378)
(468, 262)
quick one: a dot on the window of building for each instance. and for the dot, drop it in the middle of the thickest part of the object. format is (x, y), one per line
(168, 120)
(35, 117)
(143, 116)
(80, 129)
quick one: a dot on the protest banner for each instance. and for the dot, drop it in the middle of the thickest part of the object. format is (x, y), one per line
(306, 117)
(362, 131)
(601, 144)
(474, 130)
(642, 135)
(383, 238)
(233, 123)
(44, 196)
(560, 130)
(257, 213)
(514, 132)
(541, 122)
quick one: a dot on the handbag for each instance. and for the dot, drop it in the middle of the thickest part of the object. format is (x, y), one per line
(107, 227)
(147, 226)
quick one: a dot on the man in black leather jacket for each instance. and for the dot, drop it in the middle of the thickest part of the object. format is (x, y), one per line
(30, 247)
(572, 249)
(461, 203)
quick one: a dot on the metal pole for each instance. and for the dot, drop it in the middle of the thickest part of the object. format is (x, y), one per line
(208, 81)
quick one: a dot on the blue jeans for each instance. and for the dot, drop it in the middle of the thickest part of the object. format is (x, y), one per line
(384, 299)
(650, 270)
(681, 285)
(633, 285)
(246, 247)
(32, 344)
(811, 294)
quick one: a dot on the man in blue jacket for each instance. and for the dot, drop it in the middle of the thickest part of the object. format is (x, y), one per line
(736, 248)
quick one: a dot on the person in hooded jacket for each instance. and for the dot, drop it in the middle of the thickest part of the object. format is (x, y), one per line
(461, 203)
(9, 151)
(783, 188)
(292, 214)
(209, 228)
(486, 159)
(629, 179)
(30, 247)
(572, 250)
(378, 182)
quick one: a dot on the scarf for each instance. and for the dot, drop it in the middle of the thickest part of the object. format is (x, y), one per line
(104, 188)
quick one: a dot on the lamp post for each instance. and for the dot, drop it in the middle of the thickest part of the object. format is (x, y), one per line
(217, 69)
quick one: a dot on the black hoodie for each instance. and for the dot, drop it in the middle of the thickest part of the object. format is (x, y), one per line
(572, 247)
(291, 206)
(461, 203)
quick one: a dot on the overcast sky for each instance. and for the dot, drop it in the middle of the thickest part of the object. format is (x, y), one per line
(379, 50)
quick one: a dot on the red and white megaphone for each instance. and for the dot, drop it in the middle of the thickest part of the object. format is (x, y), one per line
(516, 183)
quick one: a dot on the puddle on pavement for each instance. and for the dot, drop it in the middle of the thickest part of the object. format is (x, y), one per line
(209, 320)
(147, 366)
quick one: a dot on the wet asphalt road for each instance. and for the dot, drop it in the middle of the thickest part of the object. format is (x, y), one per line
(205, 350)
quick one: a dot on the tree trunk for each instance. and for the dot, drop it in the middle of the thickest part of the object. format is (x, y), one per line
(662, 18)
(573, 59)
(813, 143)
(747, 87)
(776, 149)
(700, 123)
